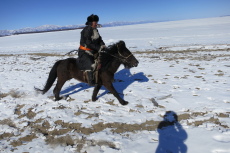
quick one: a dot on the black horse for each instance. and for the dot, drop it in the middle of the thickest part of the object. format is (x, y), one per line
(111, 59)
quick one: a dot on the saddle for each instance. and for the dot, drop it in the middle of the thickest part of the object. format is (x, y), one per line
(95, 68)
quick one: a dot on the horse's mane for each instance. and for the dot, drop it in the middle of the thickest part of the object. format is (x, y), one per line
(106, 58)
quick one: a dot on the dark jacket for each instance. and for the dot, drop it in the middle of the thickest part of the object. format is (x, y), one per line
(90, 39)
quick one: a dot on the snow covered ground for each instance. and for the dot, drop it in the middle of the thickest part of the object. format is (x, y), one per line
(179, 95)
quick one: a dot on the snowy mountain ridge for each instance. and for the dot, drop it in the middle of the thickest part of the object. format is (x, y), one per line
(43, 28)
(50, 28)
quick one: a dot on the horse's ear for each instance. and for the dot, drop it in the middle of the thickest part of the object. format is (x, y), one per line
(121, 43)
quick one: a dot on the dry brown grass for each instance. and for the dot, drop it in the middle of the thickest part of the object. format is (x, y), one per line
(160, 51)
(200, 55)
(8, 122)
(45, 54)
(65, 133)
(13, 93)
(6, 55)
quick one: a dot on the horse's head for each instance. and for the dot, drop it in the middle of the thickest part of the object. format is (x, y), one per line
(125, 56)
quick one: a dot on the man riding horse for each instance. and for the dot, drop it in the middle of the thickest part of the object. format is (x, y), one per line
(90, 44)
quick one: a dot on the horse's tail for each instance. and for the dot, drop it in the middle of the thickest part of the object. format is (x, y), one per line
(52, 77)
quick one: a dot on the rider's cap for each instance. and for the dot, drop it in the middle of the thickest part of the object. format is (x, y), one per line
(92, 18)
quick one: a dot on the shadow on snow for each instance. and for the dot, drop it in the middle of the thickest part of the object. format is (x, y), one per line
(171, 135)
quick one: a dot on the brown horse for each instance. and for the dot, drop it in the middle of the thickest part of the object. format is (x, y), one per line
(111, 59)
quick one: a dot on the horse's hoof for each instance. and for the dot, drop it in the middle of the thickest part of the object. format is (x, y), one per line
(94, 99)
(67, 97)
(59, 98)
(124, 103)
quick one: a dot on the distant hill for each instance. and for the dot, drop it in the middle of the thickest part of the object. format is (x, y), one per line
(52, 28)
(44, 28)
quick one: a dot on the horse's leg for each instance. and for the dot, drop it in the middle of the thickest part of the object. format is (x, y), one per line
(111, 88)
(95, 92)
(57, 89)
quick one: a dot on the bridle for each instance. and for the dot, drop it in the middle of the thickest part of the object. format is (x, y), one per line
(120, 57)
